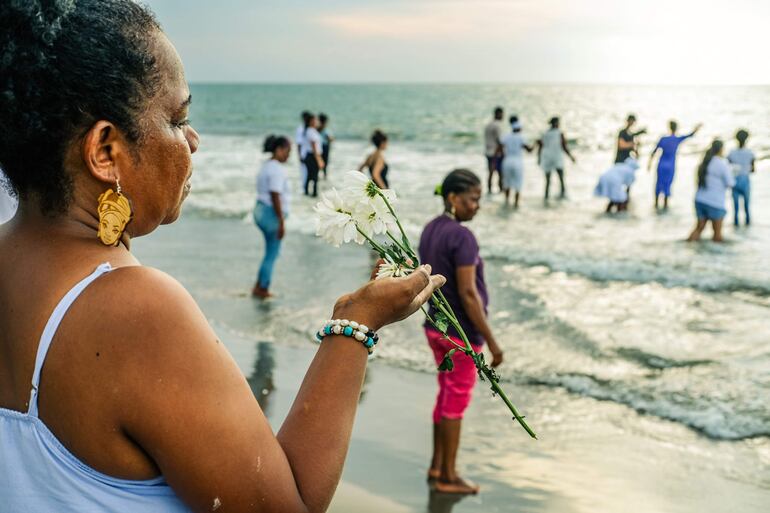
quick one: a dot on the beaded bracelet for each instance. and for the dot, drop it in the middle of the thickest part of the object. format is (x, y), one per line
(351, 329)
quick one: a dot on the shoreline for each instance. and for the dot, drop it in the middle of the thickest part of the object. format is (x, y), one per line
(592, 455)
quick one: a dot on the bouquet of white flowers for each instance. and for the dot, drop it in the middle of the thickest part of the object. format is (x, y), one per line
(361, 213)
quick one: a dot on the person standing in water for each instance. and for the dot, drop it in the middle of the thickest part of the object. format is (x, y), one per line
(668, 146)
(513, 161)
(272, 207)
(326, 140)
(742, 160)
(375, 161)
(452, 250)
(299, 136)
(492, 150)
(311, 154)
(627, 145)
(714, 178)
(550, 155)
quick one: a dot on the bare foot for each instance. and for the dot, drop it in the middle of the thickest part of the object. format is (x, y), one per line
(458, 486)
(260, 293)
(433, 474)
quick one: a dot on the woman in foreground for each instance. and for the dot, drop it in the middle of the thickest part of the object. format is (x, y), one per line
(375, 161)
(115, 393)
(452, 250)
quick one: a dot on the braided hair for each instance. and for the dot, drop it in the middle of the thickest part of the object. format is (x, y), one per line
(715, 148)
(458, 181)
(65, 64)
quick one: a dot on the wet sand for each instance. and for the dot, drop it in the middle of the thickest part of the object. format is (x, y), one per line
(592, 455)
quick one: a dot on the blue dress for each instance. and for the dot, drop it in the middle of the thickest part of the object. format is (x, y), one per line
(667, 163)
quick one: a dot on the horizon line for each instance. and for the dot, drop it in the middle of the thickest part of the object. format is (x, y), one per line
(480, 83)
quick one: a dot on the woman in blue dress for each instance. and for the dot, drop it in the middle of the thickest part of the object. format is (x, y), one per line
(668, 145)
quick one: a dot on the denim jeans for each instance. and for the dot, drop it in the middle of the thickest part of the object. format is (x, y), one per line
(266, 220)
(742, 188)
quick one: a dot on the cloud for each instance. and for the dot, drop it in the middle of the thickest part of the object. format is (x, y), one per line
(432, 19)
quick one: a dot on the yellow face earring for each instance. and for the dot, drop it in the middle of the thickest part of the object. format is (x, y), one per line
(114, 214)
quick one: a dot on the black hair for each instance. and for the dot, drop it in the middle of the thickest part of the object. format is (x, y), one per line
(741, 136)
(378, 137)
(65, 64)
(513, 119)
(458, 181)
(498, 110)
(715, 148)
(323, 118)
(673, 125)
(307, 118)
(554, 121)
(273, 142)
(305, 115)
(631, 117)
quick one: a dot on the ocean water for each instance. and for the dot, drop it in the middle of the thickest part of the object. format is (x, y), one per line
(614, 308)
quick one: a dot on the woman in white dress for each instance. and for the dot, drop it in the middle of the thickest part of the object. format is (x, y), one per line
(513, 161)
(550, 154)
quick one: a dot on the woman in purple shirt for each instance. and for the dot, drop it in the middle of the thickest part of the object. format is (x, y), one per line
(451, 249)
(667, 162)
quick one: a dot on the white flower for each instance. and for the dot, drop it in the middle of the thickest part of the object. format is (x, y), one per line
(390, 269)
(357, 188)
(335, 222)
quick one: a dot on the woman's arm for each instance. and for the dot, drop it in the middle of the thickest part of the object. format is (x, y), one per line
(317, 154)
(185, 403)
(276, 198)
(565, 148)
(474, 308)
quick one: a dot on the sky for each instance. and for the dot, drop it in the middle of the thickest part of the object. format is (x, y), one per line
(508, 41)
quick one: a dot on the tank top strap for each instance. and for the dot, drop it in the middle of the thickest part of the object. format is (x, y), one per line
(53, 324)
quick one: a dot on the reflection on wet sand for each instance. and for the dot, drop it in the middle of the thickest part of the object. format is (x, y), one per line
(261, 380)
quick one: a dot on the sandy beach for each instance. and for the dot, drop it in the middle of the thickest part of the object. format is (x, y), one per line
(592, 455)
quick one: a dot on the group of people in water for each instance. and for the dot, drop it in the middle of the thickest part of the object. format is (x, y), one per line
(504, 154)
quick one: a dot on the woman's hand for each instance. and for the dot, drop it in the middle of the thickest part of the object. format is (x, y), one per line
(388, 300)
(497, 353)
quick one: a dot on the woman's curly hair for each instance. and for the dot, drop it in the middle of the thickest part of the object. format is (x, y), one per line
(65, 64)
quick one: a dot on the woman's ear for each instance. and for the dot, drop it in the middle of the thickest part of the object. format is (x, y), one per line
(104, 151)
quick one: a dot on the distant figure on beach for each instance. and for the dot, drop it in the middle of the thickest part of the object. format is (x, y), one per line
(310, 153)
(627, 145)
(668, 145)
(7, 202)
(272, 207)
(714, 178)
(299, 136)
(615, 183)
(492, 150)
(452, 250)
(375, 161)
(742, 160)
(513, 144)
(326, 140)
(116, 395)
(551, 148)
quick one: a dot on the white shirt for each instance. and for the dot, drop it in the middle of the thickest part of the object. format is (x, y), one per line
(614, 182)
(491, 137)
(742, 158)
(273, 178)
(513, 143)
(299, 135)
(718, 179)
(8, 203)
(311, 136)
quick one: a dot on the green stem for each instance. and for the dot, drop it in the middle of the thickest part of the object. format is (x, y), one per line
(410, 252)
(375, 246)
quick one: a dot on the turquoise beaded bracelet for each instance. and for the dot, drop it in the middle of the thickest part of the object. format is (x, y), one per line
(351, 329)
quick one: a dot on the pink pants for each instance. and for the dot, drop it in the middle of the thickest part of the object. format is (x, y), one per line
(456, 386)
